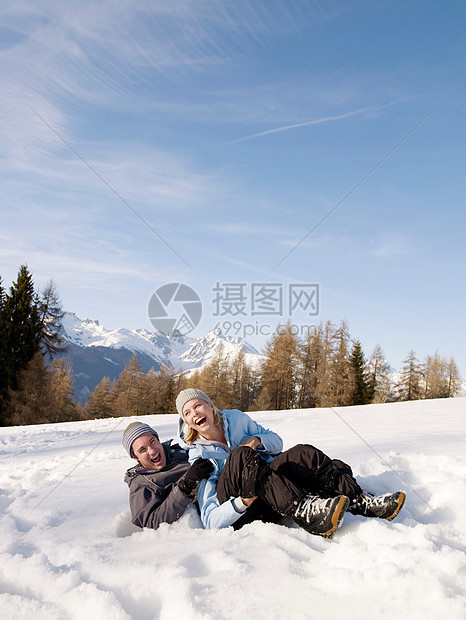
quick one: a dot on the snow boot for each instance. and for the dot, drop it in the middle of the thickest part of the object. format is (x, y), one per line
(320, 516)
(385, 506)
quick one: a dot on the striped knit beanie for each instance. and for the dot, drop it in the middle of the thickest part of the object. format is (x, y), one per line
(185, 395)
(133, 431)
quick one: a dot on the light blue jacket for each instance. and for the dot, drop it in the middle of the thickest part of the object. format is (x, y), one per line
(237, 427)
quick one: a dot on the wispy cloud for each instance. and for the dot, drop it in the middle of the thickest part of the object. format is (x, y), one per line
(61, 58)
(316, 121)
(391, 246)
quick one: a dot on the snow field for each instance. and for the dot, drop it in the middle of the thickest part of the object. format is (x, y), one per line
(71, 551)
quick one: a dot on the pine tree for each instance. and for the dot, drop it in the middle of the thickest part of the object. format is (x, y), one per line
(22, 327)
(378, 377)
(361, 395)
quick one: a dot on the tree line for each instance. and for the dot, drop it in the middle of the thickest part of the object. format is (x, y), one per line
(34, 387)
(327, 368)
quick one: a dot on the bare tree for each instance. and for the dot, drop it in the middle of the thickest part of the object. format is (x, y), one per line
(411, 374)
(51, 314)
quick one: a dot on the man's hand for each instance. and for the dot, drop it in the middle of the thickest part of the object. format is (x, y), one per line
(200, 469)
(252, 442)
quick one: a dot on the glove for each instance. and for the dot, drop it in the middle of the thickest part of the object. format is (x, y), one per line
(200, 469)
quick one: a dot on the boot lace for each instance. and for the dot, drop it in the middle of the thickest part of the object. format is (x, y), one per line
(312, 505)
(367, 501)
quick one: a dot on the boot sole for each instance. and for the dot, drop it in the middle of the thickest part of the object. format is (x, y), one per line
(338, 515)
(401, 501)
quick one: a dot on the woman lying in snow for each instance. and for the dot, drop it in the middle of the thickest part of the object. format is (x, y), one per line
(253, 478)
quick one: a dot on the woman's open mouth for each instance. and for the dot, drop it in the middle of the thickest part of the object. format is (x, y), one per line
(201, 421)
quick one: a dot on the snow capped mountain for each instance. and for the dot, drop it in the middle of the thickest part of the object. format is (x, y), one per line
(89, 333)
(96, 352)
(203, 350)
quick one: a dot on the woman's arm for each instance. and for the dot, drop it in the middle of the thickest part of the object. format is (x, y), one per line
(214, 514)
(269, 442)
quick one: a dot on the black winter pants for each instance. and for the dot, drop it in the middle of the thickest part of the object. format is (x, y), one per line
(282, 483)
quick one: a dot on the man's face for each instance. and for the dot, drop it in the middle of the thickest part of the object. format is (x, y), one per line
(149, 452)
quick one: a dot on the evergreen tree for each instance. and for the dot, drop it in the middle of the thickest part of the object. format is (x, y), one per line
(2, 295)
(22, 326)
(378, 377)
(361, 395)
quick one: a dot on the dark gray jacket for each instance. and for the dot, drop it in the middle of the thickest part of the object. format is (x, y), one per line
(154, 496)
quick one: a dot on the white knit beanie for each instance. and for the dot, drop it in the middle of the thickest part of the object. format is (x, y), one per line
(185, 395)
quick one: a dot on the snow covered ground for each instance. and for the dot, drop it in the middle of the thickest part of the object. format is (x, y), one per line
(68, 549)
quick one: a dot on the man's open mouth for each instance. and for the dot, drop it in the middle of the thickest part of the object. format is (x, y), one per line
(156, 459)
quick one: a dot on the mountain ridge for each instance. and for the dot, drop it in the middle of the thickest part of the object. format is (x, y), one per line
(96, 352)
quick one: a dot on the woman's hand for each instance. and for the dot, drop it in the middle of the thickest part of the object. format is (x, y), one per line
(247, 501)
(252, 442)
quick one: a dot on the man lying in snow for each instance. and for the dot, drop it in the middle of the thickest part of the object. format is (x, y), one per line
(163, 483)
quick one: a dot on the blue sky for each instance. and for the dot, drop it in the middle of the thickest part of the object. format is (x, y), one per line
(232, 128)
